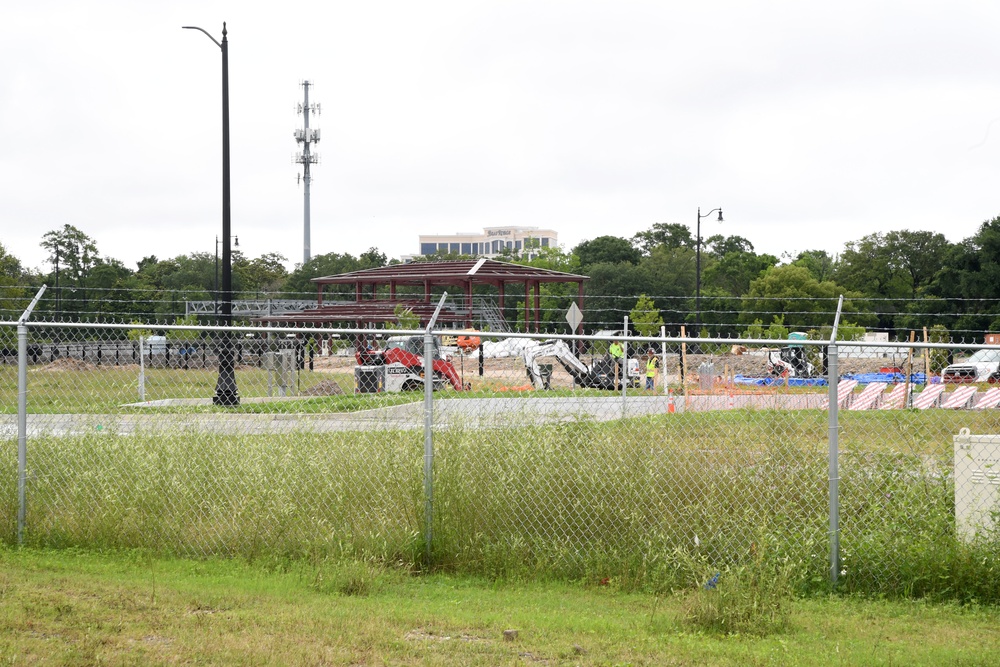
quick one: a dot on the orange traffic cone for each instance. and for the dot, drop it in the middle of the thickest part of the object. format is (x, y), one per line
(670, 401)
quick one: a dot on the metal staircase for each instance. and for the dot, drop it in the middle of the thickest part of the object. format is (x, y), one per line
(491, 317)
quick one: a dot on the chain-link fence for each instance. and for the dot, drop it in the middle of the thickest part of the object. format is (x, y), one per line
(590, 456)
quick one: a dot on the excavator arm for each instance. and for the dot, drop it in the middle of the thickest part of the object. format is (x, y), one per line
(560, 351)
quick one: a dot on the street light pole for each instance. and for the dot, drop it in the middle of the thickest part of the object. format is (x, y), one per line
(226, 393)
(697, 279)
(236, 244)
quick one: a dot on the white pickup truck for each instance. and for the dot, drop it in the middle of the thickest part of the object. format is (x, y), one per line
(982, 366)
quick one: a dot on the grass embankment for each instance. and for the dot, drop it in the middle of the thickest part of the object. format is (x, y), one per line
(646, 502)
(74, 608)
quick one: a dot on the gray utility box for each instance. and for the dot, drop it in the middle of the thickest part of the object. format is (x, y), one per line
(281, 372)
(977, 483)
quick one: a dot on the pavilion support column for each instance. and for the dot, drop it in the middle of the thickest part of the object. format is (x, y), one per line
(501, 286)
(319, 295)
(468, 304)
(527, 305)
(357, 291)
(537, 304)
(392, 290)
(427, 291)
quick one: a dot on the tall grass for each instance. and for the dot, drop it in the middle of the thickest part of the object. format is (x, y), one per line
(631, 501)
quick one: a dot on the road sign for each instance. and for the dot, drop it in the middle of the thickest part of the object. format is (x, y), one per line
(574, 317)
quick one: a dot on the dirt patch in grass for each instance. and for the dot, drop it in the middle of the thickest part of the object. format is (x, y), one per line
(324, 388)
(67, 364)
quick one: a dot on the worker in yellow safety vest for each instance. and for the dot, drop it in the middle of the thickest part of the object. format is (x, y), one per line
(652, 363)
(617, 352)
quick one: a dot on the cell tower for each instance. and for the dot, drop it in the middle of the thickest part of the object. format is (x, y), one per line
(307, 137)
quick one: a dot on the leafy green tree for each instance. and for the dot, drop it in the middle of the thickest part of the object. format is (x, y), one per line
(138, 332)
(776, 330)
(846, 331)
(611, 293)
(734, 271)
(553, 258)
(803, 301)
(184, 334)
(194, 272)
(12, 294)
(670, 235)
(72, 251)
(867, 266)
(970, 281)
(299, 282)
(372, 258)
(820, 264)
(719, 246)
(72, 254)
(919, 255)
(895, 265)
(554, 298)
(606, 250)
(405, 318)
(645, 317)
(266, 273)
(938, 356)
(670, 272)
(441, 256)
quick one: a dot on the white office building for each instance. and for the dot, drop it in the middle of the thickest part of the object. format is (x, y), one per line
(491, 242)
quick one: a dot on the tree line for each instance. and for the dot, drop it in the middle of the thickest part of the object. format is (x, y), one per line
(894, 281)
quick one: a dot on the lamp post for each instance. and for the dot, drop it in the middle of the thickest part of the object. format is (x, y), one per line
(225, 389)
(697, 279)
(236, 244)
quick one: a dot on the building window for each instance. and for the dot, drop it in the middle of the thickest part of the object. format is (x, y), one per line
(453, 248)
(517, 245)
(428, 248)
(545, 241)
(442, 247)
(510, 246)
(466, 248)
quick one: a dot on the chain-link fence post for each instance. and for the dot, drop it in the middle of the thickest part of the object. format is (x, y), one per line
(428, 439)
(834, 471)
(624, 364)
(429, 380)
(833, 425)
(22, 427)
(22, 415)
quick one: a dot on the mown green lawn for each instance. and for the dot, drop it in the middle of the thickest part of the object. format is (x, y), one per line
(79, 608)
(112, 389)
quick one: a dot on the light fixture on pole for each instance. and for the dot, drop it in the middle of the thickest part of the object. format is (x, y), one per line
(225, 389)
(697, 279)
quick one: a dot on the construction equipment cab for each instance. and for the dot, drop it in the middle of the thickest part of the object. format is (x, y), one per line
(399, 366)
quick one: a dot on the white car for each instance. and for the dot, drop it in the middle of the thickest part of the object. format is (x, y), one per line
(983, 366)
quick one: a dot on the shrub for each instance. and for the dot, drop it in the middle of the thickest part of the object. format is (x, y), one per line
(749, 599)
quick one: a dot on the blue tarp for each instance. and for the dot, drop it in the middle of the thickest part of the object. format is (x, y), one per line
(889, 378)
(770, 380)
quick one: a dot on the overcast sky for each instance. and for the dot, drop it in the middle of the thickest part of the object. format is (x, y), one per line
(811, 124)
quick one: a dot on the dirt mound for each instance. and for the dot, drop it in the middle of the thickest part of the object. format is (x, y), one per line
(68, 364)
(756, 364)
(324, 388)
